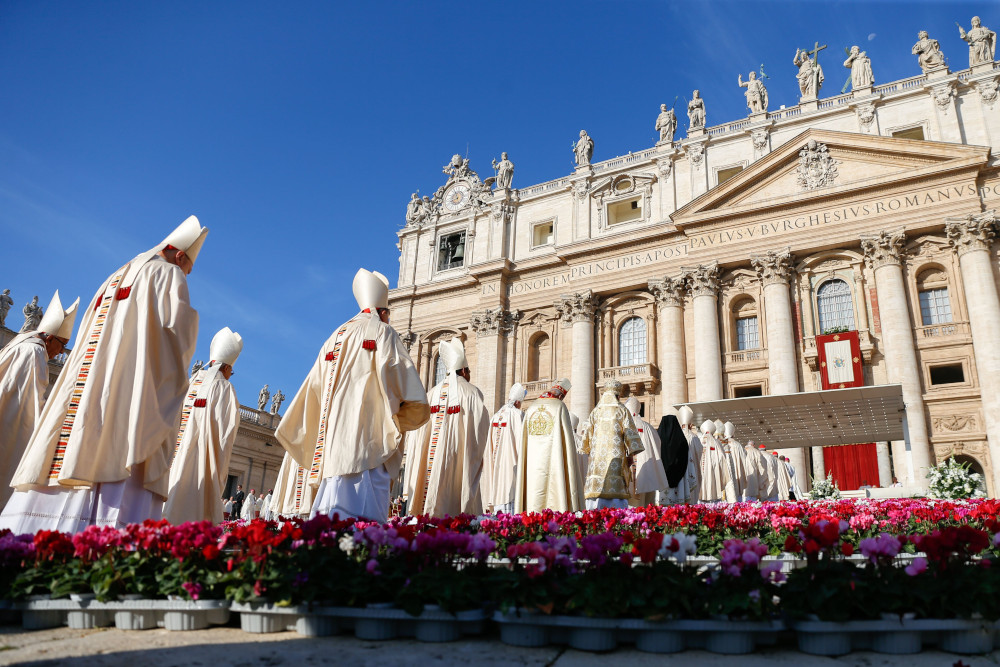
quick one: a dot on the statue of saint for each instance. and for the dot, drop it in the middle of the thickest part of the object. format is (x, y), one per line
(198, 365)
(584, 149)
(276, 402)
(5, 303)
(861, 69)
(696, 112)
(756, 92)
(413, 210)
(505, 172)
(262, 398)
(982, 42)
(810, 74)
(32, 316)
(666, 123)
(928, 53)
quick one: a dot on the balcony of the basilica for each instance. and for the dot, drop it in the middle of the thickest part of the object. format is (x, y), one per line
(636, 379)
(943, 335)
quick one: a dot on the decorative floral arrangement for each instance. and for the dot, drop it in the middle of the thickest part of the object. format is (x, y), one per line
(824, 489)
(951, 479)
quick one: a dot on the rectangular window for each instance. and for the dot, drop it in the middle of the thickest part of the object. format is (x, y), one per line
(747, 335)
(727, 173)
(451, 251)
(910, 133)
(747, 392)
(935, 306)
(950, 374)
(542, 234)
(625, 211)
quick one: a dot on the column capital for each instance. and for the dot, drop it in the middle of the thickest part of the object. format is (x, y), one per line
(774, 266)
(579, 307)
(883, 249)
(973, 232)
(668, 291)
(494, 321)
(702, 280)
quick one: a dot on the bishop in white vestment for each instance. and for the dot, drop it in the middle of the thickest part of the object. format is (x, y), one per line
(768, 482)
(650, 477)
(500, 460)
(101, 449)
(750, 490)
(716, 478)
(361, 392)
(612, 441)
(444, 458)
(24, 377)
(548, 476)
(781, 473)
(209, 421)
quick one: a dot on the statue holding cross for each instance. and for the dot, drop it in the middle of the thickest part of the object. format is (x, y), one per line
(810, 74)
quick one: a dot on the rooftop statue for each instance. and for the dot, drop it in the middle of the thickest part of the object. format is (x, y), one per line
(982, 43)
(928, 53)
(756, 92)
(32, 316)
(584, 149)
(696, 112)
(666, 123)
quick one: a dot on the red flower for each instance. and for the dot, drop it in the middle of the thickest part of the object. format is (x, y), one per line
(792, 545)
(847, 549)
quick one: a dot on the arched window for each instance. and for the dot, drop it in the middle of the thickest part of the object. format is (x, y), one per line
(835, 306)
(935, 303)
(439, 370)
(632, 342)
(746, 327)
(539, 358)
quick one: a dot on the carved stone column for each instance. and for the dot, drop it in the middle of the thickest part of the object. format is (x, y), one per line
(670, 357)
(491, 327)
(774, 270)
(884, 465)
(882, 254)
(971, 237)
(703, 283)
(578, 311)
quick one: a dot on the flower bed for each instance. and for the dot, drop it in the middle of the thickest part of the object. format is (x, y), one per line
(637, 565)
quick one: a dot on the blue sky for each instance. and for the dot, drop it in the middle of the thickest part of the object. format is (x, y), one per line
(297, 131)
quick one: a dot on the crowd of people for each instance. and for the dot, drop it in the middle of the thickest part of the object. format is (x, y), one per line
(126, 435)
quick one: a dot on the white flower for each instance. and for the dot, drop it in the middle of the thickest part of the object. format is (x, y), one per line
(346, 543)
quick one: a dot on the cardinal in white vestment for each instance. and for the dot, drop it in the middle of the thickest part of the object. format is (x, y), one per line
(693, 475)
(362, 391)
(293, 495)
(209, 421)
(249, 509)
(750, 490)
(758, 464)
(794, 491)
(100, 452)
(548, 475)
(444, 458)
(736, 471)
(716, 479)
(781, 473)
(650, 477)
(500, 459)
(675, 453)
(24, 377)
(611, 440)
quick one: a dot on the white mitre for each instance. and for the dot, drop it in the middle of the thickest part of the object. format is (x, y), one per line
(371, 289)
(516, 394)
(226, 346)
(59, 322)
(685, 416)
(189, 237)
(453, 355)
(707, 426)
(719, 426)
(730, 430)
(632, 404)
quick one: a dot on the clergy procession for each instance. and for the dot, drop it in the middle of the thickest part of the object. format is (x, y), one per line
(126, 436)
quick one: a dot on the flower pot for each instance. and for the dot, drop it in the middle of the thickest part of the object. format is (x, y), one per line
(823, 638)
(897, 642)
(593, 639)
(967, 642)
(729, 642)
(434, 625)
(471, 621)
(216, 611)
(314, 625)
(526, 629)
(659, 641)
(176, 620)
(375, 626)
(135, 619)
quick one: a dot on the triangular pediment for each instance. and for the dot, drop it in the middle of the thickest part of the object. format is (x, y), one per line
(824, 163)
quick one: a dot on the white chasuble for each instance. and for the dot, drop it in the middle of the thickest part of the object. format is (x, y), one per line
(649, 473)
(715, 471)
(784, 481)
(548, 475)
(210, 418)
(24, 376)
(113, 412)
(758, 466)
(500, 459)
(444, 458)
(293, 495)
(344, 420)
(749, 479)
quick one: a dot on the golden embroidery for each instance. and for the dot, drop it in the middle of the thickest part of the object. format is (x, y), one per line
(541, 423)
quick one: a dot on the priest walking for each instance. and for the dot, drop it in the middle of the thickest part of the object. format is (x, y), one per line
(548, 476)
(362, 391)
(444, 459)
(209, 421)
(24, 377)
(500, 459)
(100, 452)
(612, 441)
(650, 477)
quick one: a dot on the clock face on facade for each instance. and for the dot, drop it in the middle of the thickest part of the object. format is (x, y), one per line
(456, 197)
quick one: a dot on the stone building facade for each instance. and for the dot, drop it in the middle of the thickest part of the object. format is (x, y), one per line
(704, 267)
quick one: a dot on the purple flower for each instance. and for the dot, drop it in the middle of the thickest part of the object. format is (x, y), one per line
(918, 565)
(193, 589)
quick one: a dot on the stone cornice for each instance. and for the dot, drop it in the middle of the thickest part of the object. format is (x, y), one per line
(774, 266)
(883, 249)
(973, 232)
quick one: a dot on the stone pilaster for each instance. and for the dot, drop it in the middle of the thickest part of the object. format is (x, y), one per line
(578, 311)
(774, 270)
(491, 327)
(669, 296)
(971, 237)
(703, 284)
(883, 256)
